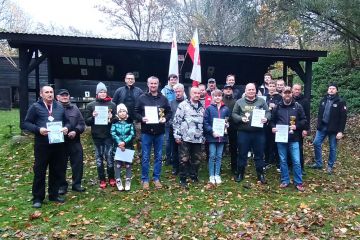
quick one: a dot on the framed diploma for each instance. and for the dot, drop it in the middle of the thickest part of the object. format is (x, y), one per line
(282, 133)
(151, 112)
(102, 117)
(257, 115)
(55, 134)
(125, 156)
(219, 126)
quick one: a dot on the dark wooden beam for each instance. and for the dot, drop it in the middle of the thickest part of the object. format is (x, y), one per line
(36, 62)
(285, 68)
(307, 82)
(298, 69)
(23, 83)
(37, 75)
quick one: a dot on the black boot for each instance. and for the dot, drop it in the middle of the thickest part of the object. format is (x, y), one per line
(241, 174)
(261, 178)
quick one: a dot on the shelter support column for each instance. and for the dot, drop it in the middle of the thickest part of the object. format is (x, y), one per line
(23, 84)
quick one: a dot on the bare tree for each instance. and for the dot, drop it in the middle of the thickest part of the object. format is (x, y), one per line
(144, 19)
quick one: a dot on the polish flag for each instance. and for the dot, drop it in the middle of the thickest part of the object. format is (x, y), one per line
(194, 53)
(174, 64)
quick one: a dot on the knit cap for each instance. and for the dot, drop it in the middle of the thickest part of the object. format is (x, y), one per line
(121, 106)
(100, 87)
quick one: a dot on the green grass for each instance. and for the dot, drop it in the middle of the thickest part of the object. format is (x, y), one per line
(329, 208)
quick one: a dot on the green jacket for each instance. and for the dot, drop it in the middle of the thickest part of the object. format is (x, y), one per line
(244, 105)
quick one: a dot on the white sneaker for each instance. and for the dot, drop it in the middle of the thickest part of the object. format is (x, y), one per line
(119, 184)
(218, 179)
(212, 179)
(127, 184)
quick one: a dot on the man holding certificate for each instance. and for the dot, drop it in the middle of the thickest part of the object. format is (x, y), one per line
(46, 119)
(152, 109)
(250, 113)
(287, 122)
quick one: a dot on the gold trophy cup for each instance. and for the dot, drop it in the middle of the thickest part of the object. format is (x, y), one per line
(161, 114)
(247, 115)
(292, 122)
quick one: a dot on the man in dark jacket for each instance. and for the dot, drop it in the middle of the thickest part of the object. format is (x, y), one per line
(179, 97)
(229, 101)
(39, 115)
(152, 129)
(289, 113)
(305, 103)
(331, 122)
(73, 147)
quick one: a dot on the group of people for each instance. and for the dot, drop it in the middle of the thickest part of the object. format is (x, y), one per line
(247, 119)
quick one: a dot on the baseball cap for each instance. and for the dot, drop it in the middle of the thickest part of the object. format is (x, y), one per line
(211, 80)
(287, 89)
(63, 91)
(227, 86)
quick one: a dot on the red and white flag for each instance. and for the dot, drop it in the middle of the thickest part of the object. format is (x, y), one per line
(194, 53)
(174, 64)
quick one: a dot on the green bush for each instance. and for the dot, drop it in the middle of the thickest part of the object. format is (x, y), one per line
(335, 68)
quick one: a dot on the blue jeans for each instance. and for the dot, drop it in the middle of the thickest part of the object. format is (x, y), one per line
(215, 155)
(147, 141)
(294, 152)
(103, 151)
(318, 141)
(248, 141)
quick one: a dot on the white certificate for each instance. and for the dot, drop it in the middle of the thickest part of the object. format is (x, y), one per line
(102, 117)
(218, 126)
(151, 113)
(124, 156)
(257, 115)
(282, 133)
(55, 134)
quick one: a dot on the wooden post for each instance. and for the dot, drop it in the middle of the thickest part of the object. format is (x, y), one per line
(307, 83)
(285, 78)
(23, 84)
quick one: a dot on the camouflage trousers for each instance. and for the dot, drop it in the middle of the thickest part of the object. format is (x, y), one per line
(189, 156)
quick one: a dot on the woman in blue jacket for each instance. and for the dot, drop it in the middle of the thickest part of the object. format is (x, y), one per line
(216, 137)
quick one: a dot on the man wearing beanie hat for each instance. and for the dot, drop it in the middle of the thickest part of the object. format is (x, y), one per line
(101, 134)
(331, 122)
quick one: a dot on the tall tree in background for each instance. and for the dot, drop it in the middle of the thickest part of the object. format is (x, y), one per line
(144, 19)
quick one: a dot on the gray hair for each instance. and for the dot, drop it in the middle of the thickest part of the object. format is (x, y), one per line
(152, 78)
(179, 85)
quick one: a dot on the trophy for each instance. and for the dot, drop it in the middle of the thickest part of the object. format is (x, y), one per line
(109, 115)
(226, 125)
(161, 114)
(292, 122)
(247, 115)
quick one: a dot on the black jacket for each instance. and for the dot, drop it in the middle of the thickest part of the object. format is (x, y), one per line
(305, 103)
(281, 115)
(338, 115)
(76, 121)
(159, 101)
(100, 131)
(37, 117)
(127, 96)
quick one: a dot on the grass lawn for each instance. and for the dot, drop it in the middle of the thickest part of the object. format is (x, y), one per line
(329, 208)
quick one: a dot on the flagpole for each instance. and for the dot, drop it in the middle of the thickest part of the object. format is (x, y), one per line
(183, 61)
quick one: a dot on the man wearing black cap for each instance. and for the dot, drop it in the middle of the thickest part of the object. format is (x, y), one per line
(229, 101)
(73, 147)
(331, 122)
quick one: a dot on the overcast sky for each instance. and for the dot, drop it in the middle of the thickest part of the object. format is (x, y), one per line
(78, 13)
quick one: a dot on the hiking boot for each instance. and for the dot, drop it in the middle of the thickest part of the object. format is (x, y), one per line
(195, 179)
(56, 199)
(127, 184)
(62, 190)
(315, 166)
(112, 182)
(36, 204)
(119, 184)
(145, 185)
(102, 184)
(184, 184)
(241, 174)
(157, 184)
(218, 179)
(261, 178)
